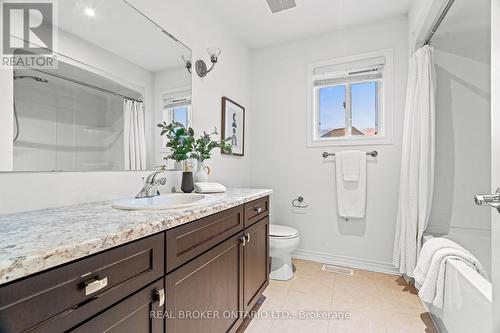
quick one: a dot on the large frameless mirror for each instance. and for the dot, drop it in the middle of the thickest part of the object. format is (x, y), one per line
(117, 74)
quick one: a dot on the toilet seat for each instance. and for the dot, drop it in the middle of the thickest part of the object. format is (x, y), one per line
(278, 231)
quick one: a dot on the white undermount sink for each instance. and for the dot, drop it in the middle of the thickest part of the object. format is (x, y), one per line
(165, 201)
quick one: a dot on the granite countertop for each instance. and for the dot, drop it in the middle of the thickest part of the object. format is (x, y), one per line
(34, 241)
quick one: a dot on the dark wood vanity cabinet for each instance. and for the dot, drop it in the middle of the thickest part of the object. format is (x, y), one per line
(187, 241)
(205, 295)
(58, 299)
(198, 277)
(211, 293)
(255, 262)
(140, 312)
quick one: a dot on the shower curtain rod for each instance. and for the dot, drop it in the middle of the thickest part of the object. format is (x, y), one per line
(88, 85)
(436, 25)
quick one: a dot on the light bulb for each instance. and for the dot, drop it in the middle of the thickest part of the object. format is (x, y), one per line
(186, 58)
(90, 12)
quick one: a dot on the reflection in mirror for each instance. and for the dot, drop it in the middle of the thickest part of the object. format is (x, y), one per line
(117, 75)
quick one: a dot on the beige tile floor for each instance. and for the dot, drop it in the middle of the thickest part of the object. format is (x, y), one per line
(376, 303)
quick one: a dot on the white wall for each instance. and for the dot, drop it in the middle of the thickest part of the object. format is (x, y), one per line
(193, 24)
(284, 163)
(463, 160)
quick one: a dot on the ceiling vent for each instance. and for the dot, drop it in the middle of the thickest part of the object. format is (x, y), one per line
(280, 5)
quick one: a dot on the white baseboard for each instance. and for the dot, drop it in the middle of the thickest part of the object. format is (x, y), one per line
(326, 258)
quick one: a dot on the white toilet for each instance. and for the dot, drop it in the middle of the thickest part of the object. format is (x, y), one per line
(283, 241)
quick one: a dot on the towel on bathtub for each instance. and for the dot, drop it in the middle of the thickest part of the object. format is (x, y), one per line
(431, 268)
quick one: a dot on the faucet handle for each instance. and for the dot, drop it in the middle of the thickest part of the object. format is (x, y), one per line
(152, 177)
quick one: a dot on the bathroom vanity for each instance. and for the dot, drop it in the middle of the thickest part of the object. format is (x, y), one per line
(92, 268)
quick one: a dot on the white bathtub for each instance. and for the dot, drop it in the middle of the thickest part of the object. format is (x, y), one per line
(467, 296)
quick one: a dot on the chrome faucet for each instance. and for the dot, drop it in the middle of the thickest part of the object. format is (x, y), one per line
(151, 184)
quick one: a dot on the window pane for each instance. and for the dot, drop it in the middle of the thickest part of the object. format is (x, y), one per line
(181, 115)
(332, 111)
(364, 108)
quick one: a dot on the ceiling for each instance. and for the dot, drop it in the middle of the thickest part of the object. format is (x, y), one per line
(253, 23)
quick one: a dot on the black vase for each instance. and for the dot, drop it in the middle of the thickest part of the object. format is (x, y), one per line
(187, 185)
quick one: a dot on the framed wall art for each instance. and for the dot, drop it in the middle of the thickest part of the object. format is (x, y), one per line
(233, 125)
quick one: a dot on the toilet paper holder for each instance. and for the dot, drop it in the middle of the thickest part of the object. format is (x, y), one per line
(298, 202)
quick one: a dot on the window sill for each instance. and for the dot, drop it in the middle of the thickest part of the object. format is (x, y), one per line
(351, 142)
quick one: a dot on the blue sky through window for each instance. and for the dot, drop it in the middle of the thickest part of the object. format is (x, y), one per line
(363, 105)
(331, 106)
(181, 115)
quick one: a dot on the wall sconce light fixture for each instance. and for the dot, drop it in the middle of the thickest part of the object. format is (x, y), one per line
(201, 67)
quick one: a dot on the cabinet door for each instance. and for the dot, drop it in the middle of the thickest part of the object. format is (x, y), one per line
(140, 313)
(205, 295)
(256, 259)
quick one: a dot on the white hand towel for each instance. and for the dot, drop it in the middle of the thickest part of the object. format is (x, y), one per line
(431, 268)
(351, 195)
(351, 163)
(209, 187)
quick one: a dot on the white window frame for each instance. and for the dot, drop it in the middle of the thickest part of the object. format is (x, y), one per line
(385, 114)
(171, 114)
(163, 149)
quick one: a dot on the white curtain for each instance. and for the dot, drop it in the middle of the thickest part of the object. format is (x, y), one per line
(134, 135)
(417, 167)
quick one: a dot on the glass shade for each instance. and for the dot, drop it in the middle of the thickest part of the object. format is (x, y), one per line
(186, 58)
(214, 52)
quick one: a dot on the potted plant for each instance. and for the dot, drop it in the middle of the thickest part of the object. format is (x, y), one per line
(180, 142)
(202, 151)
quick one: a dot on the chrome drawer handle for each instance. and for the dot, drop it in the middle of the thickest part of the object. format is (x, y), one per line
(160, 296)
(95, 285)
(243, 239)
(247, 237)
(258, 210)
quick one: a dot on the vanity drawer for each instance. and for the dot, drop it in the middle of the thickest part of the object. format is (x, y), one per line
(56, 300)
(256, 210)
(192, 239)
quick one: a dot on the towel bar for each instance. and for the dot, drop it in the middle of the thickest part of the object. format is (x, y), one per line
(372, 154)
